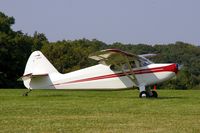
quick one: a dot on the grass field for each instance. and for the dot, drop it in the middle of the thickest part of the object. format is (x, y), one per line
(49, 111)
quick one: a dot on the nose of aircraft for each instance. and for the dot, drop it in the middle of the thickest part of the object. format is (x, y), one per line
(173, 68)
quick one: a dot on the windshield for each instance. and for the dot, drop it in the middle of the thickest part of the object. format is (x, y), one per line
(144, 62)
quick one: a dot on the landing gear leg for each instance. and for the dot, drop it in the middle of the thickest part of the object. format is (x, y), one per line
(26, 93)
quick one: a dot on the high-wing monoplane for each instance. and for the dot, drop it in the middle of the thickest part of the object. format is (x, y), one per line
(115, 70)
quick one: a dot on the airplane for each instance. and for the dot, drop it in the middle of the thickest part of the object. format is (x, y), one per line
(116, 70)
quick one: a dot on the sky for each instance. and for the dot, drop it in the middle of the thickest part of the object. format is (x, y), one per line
(126, 21)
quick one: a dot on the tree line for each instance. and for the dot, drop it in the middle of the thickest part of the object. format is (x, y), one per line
(70, 55)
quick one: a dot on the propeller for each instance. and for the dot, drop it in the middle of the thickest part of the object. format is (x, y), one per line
(179, 66)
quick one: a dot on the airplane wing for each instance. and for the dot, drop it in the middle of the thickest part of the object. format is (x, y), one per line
(148, 55)
(110, 56)
(31, 75)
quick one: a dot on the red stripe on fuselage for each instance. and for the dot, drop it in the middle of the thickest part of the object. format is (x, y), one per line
(170, 68)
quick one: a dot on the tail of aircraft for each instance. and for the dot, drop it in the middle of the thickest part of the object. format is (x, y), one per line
(37, 67)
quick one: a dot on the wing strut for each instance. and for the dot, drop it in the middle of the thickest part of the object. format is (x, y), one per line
(132, 77)
(117, 58)
(120, 67)
(132, 72)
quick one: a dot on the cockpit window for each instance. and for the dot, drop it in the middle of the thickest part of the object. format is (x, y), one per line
(142, 62)
(132, 63)
(123, 66)
(114, 68)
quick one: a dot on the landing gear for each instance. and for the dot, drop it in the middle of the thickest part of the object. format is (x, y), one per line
(143, 94)
(26, 93)
(155, 94)
(147, 93)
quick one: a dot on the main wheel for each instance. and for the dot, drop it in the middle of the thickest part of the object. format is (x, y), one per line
(155, 94)
(143, 94)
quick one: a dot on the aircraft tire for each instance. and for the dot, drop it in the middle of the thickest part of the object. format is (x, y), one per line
(143, 94)
(155, 94)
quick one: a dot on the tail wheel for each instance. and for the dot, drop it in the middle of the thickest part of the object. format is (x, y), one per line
(143, 94)
(155, 94)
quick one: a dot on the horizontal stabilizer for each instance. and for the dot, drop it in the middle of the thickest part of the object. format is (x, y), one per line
(31, 75)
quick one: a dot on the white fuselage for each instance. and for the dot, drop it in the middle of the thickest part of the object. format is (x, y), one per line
(102, 77)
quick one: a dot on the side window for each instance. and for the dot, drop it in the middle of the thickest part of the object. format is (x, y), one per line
(133, 65)
(124, 66)
(114, 68)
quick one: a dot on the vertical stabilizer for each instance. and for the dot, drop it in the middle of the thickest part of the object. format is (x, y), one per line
(38, 64)
(37, 67)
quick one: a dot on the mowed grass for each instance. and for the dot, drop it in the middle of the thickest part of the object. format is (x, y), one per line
(54, 111)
